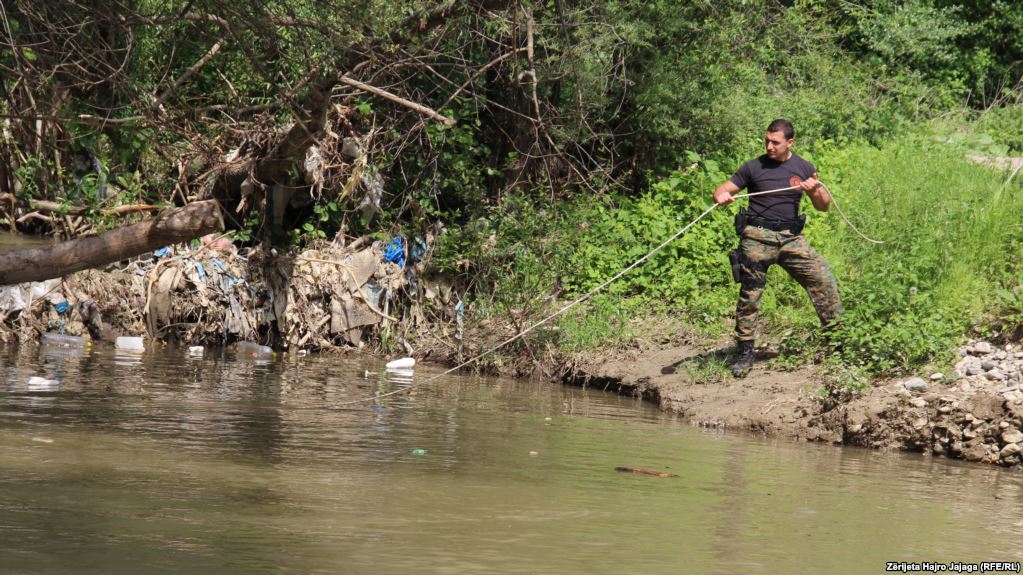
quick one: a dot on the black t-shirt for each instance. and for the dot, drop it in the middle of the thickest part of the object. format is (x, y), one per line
(763, 174)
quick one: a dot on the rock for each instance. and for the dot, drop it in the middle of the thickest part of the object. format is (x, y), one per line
(974, 451)
(966, 362)
(919, 423)
(1009, 388)
(937, 376)
(999, 355)
(944, 409)
(996, 375)
(982, 348)
(1012, 436)
(984, 405)
(974, 370)
(1009, 450)
(969, 433)
(1003, 425)
(918, 402)
(854, 428)
(915, 384)
(988, 365)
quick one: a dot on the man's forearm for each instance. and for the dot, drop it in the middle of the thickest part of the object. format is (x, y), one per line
(820, 198)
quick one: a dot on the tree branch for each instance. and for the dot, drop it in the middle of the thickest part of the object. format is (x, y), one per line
(397, 99)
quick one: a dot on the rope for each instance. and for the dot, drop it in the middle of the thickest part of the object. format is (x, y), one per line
(590, 294)
(848, 223)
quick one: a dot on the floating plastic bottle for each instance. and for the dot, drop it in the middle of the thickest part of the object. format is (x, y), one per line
(403, 363)
(252, 349)
(130, 344)
(63, 340)
(36, 383)
(196, 350)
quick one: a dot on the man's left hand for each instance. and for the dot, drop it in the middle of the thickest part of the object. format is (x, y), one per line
(810, 184)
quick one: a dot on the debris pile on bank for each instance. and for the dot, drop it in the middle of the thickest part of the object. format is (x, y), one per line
(326, 297)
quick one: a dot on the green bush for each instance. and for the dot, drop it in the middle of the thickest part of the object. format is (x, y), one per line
(950, 232)
(689, 274)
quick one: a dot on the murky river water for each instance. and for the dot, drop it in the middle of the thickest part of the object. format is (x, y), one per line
(113, 463)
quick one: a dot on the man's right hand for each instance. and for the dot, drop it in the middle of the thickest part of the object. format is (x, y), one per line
(723, 193)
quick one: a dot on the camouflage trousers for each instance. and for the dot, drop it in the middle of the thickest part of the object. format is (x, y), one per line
(760, 249)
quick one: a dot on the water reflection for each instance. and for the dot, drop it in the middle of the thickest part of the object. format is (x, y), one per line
(167, 462)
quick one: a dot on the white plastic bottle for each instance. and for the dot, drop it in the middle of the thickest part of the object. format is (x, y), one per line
(130, 344)
(251, 349)
(403, 363)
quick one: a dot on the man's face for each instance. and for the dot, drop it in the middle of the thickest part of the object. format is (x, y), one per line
(777, 145)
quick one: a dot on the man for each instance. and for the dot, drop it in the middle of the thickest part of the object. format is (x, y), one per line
(771, 232)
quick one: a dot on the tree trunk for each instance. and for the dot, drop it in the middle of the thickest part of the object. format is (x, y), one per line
(168, 227)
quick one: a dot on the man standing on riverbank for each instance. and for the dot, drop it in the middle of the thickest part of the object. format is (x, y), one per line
(771, 232)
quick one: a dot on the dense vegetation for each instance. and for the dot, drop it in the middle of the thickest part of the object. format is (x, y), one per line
(585, 133)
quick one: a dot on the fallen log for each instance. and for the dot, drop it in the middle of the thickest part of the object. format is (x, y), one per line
(168, 227)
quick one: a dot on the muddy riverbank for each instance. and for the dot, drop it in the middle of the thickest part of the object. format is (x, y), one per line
(974, 413)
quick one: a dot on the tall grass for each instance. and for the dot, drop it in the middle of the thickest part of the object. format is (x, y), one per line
(952, 243)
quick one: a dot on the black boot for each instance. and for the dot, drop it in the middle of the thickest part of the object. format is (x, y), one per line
(744, 363)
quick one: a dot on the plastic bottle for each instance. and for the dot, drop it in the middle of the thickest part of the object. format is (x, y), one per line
(252, 349)
(62, 340)
(403, 363)
(130, 344)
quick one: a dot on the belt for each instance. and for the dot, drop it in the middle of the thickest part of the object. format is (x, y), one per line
(774, 225)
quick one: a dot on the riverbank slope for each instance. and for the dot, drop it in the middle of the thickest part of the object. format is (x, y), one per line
(974, 413)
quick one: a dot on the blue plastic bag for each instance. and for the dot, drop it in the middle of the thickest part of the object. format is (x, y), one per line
(395, 252)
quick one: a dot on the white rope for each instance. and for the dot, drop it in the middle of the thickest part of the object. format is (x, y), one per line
(848, 223)
(588, 295)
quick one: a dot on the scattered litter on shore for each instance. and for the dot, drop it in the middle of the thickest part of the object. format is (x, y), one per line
(328, 297)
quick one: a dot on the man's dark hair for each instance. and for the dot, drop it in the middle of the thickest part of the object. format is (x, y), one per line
(784, 126)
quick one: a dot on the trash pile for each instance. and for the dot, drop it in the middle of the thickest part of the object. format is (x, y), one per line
(211, 293)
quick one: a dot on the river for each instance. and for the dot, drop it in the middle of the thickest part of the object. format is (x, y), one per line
(164, 463)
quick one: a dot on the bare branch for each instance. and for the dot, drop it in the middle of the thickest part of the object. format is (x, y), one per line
(397, 100)
(189, 72)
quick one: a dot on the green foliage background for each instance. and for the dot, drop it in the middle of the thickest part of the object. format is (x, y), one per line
(646, 107)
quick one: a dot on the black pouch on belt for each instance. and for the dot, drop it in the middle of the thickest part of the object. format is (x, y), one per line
(741, 220)
(798, 228)
(734, 258)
